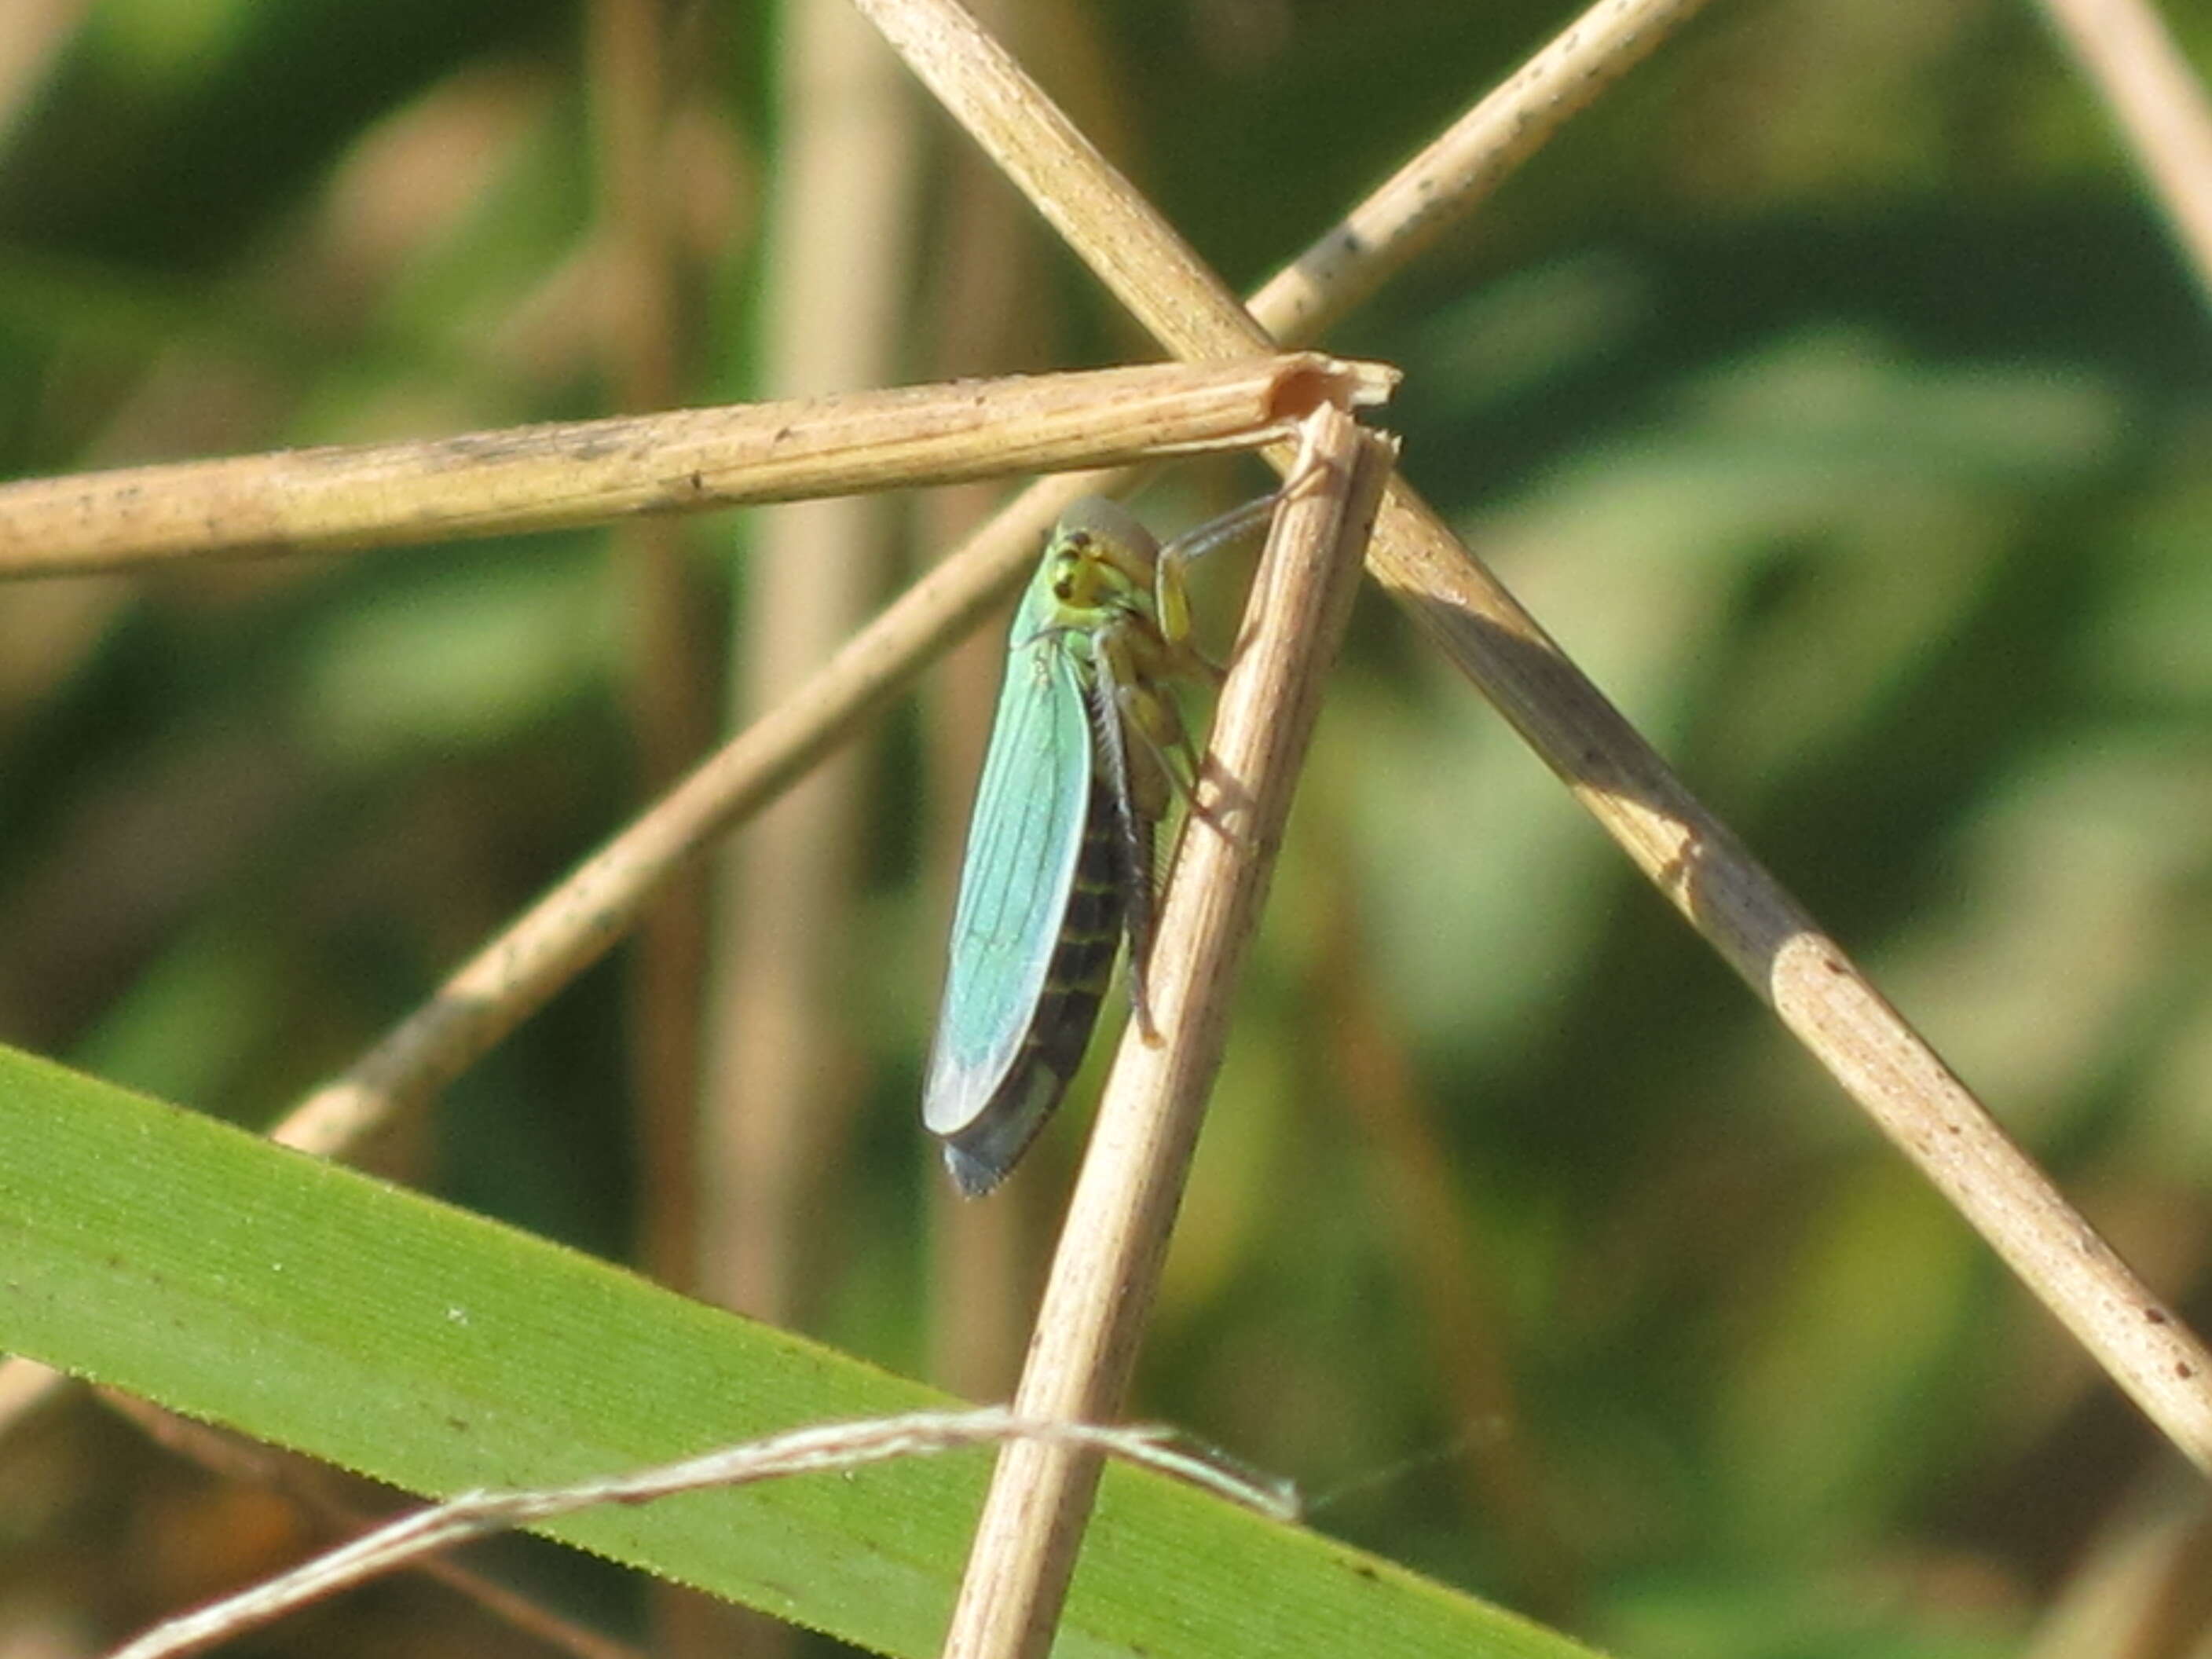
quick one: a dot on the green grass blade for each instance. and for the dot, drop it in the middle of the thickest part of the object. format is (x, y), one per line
(309, 1305)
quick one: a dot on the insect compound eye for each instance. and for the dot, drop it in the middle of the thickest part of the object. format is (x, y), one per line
(1070, 575)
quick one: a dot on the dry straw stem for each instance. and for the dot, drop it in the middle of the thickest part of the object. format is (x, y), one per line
(581, 472)
(1163, 281)
(833, 1446)
(834, 282)
(1758, 927)
(313, 1489)
(1451, 176)
(647, 339)
(2126, 52)
(1119, 1219)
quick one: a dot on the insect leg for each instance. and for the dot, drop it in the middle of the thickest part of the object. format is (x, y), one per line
(1110, 732)
(1166, 740)
(1171, 594)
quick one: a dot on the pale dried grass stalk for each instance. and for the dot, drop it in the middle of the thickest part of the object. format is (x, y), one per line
(1442, 184)
(776, 1095)
(671, 673)
(1741, 910)
(2126, 52)
(314, 1489)
(1106, 1270)
(813, 1450)
(567, 473)
(2140, 1587)
(33, 34)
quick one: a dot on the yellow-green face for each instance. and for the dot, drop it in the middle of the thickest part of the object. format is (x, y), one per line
(1100, 563)
(1096, 597)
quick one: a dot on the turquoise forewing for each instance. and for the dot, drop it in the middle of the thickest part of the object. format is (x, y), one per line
(1015, 887)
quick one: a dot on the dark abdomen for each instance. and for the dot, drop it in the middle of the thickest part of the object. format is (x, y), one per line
(1065, 1014)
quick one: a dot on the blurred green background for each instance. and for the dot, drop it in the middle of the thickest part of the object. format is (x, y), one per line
(1829, 390)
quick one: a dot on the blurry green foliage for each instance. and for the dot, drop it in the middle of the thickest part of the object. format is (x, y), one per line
(1829, 390)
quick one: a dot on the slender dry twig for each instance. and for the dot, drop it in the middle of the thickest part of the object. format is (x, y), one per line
(2140, 1586)
(821, 1447)
(311, 1488)
(1469, 159)
(834, 282)
(576, 472)
(31, 39)
(672, 659)
(671, 672)
(1162, 281)
(2128, 54)
(1754, 923)
(1107, 1267)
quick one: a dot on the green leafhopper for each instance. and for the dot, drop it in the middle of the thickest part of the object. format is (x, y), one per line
(1082, 763)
